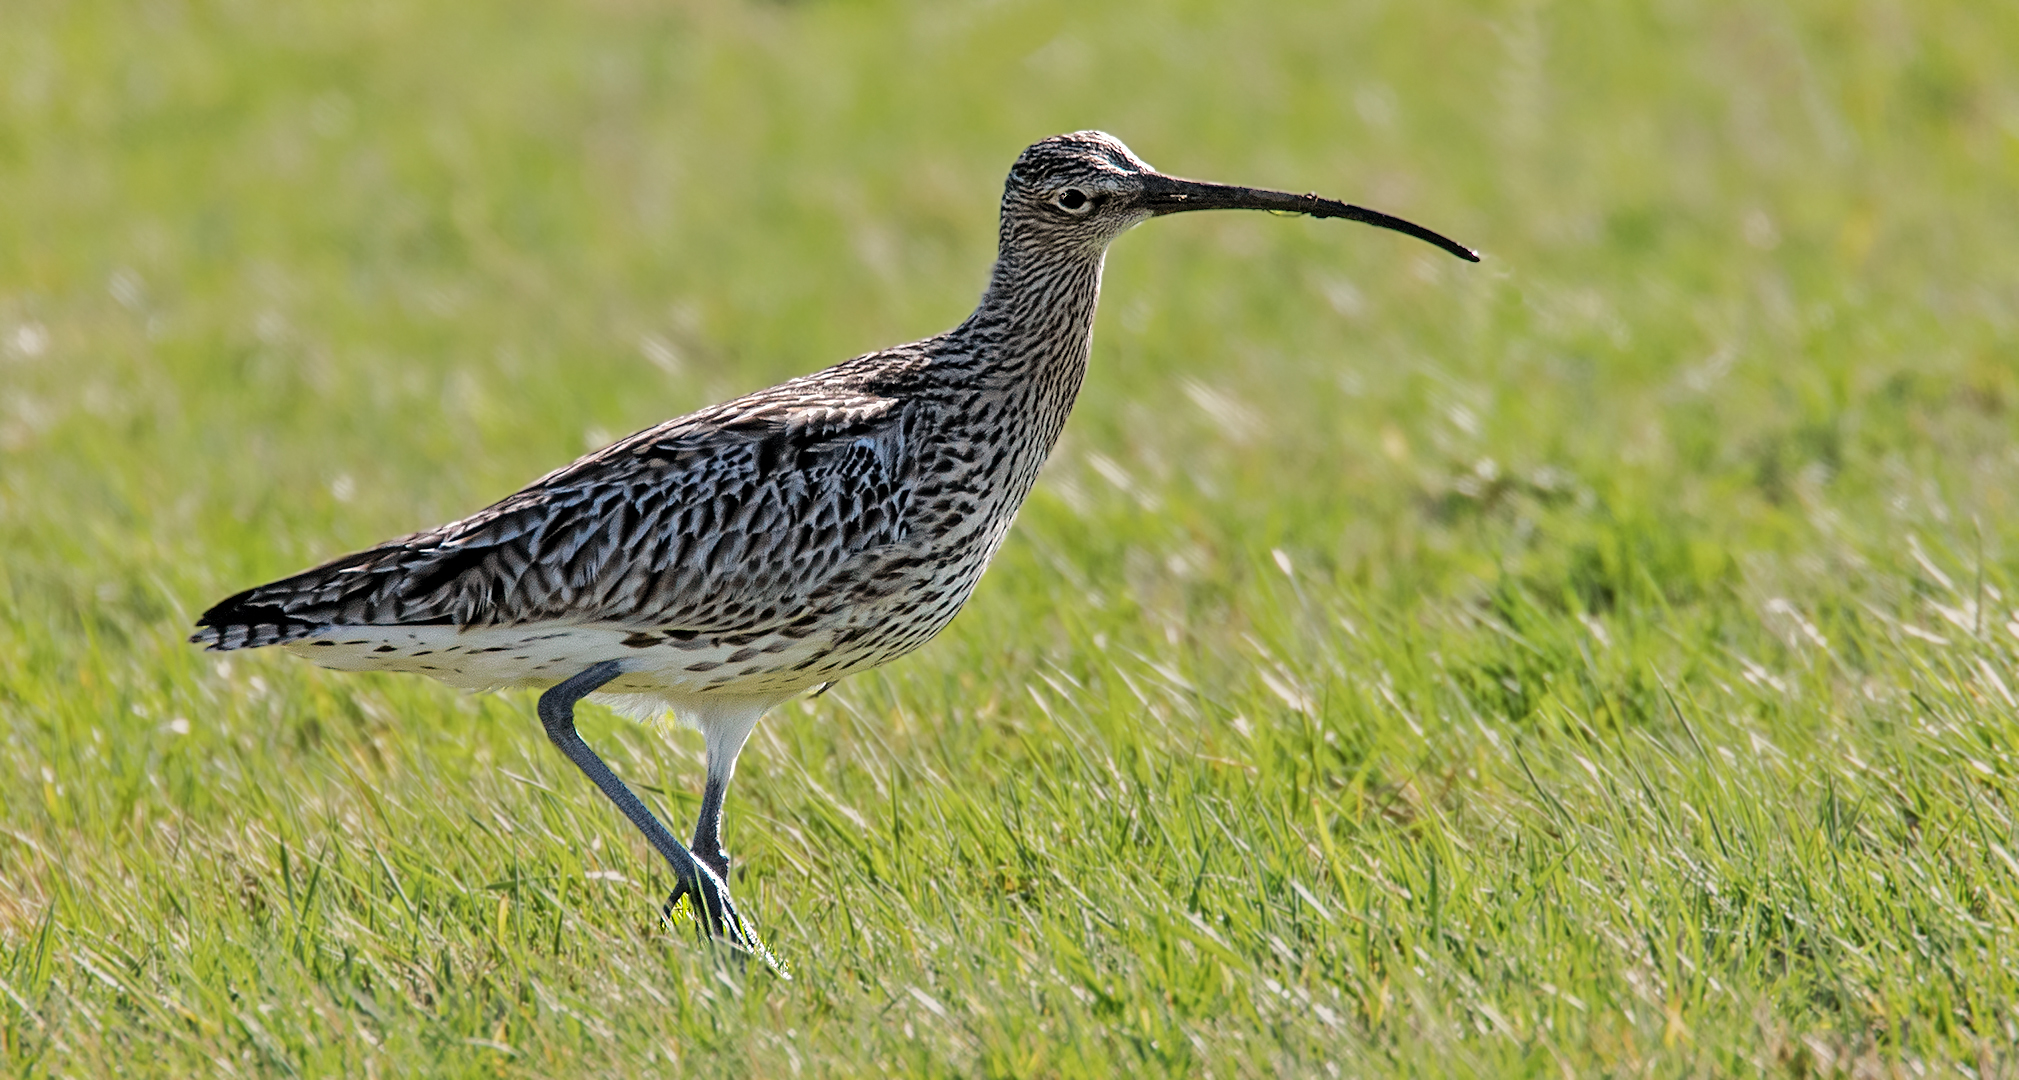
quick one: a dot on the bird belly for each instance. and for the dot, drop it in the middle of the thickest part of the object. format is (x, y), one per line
(542, 654)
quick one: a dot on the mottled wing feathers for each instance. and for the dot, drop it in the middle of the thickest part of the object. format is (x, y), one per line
(725, 521)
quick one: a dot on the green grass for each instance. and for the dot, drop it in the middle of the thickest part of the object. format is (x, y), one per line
(1601, 660)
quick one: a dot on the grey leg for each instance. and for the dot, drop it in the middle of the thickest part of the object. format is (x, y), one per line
(707, 843)
(696, 879)
(726, 724)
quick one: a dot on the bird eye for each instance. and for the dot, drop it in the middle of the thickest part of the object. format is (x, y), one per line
(1073, 201)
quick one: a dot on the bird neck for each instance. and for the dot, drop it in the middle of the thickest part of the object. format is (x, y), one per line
(1035, 322)
(1015, 368)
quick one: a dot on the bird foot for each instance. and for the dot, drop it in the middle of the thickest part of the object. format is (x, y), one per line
(718, 918)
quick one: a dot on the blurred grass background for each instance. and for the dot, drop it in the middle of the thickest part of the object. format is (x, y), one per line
(1597, 661)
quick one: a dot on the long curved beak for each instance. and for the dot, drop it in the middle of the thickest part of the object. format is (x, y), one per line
(1174, 195)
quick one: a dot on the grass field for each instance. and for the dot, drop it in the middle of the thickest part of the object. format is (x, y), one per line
(1599, 661)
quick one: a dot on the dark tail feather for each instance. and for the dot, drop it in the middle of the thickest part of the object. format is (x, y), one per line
(243, 622)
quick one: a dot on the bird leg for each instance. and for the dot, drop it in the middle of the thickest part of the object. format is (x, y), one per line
(695, 878)
(707, 843)
(725, 723)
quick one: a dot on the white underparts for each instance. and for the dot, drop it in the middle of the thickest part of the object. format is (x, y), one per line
(542, 654)
(721, 690)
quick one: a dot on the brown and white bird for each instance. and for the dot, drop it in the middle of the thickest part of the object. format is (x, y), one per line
(723, 562)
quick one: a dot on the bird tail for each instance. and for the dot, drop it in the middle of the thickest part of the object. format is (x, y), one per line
(249, 621)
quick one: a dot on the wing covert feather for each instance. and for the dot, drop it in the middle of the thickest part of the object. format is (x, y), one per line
(726, 520)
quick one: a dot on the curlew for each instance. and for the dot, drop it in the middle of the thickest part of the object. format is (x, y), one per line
(726, 561)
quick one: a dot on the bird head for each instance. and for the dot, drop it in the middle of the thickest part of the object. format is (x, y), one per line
(1078, 192)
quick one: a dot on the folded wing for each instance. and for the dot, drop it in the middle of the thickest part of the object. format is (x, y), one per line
(726, 521)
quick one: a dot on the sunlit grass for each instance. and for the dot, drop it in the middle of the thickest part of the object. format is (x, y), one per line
(1599, 660)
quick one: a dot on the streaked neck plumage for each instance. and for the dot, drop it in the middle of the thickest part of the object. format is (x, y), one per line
(1029, 337)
